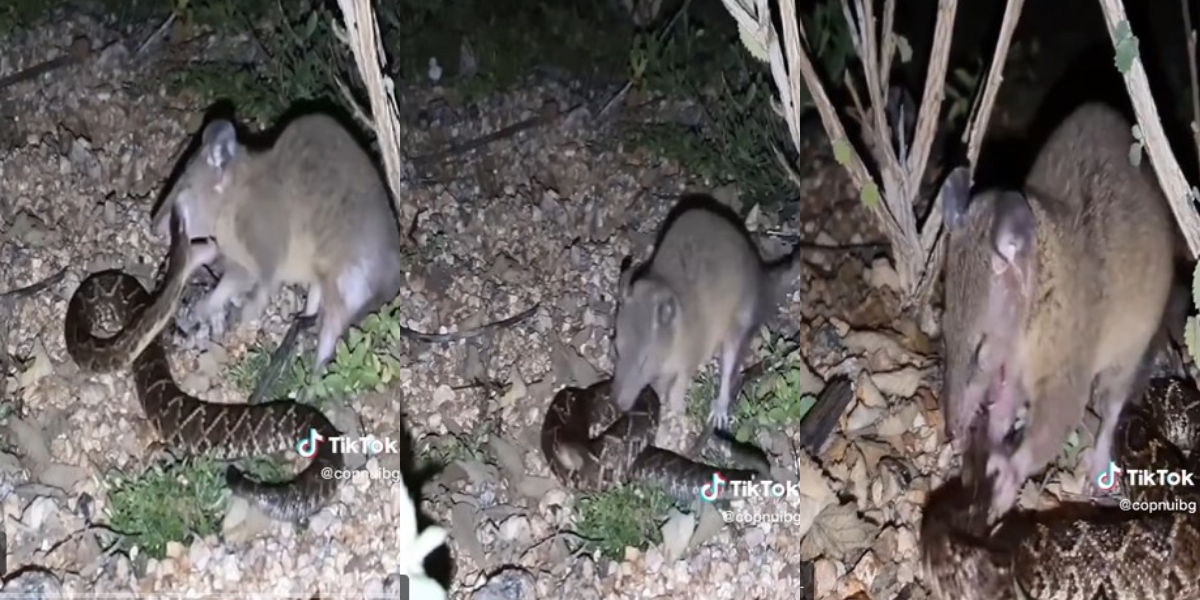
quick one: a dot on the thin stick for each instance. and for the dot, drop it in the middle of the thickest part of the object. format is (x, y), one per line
(995, 75)
(1191, 44)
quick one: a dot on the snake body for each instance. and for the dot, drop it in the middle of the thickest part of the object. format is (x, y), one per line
(186, 424)
(624, 451)
(1079, 551)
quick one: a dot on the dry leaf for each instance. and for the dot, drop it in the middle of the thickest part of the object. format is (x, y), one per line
(902, 383)
(868, 393)
(837, 532)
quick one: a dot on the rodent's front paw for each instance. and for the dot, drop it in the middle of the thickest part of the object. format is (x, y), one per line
(718, 420)
(1007, 482)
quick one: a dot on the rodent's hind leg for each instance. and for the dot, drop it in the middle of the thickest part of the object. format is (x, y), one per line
(1112, 390)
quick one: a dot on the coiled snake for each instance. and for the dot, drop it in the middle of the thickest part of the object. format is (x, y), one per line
(187, 424)
(1079, 551)
(623, 451)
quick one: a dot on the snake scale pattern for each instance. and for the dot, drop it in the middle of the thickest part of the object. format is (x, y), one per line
(187, 425)
(1079, 551)
(623, 451)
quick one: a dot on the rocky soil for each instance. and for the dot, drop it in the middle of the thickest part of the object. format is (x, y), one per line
(545, 216)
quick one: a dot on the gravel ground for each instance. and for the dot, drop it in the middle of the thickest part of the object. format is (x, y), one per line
(545, 216)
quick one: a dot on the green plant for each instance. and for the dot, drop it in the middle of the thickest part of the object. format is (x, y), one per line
(245, 374)
(1191, 332)
(627, 516)
(775, 398)
(168, 503)
(301, 55)
(470, 445)
(737, 140)
(961, 89)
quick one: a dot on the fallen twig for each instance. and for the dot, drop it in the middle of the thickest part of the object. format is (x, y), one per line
(79, 50)
(550, 113)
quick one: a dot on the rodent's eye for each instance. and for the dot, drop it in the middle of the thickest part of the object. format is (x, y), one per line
(974, 365)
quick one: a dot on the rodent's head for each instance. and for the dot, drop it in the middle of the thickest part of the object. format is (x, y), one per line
(990, 263)
(205, 179)
(647, 319)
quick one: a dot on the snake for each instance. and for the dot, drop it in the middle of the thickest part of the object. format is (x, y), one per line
(1080, 551)
(188, 426)
(591, 445)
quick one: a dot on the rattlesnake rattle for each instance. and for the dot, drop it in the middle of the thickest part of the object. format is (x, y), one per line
(187, 424)
(1078, 551)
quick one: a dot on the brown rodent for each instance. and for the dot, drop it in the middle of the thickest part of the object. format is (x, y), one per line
(1052, 290)
(312, 209)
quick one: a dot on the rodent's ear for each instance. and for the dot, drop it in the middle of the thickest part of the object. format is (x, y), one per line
(956, 197)
(624, 285)
(220, 144)
(1012, 240)
(1013, 229)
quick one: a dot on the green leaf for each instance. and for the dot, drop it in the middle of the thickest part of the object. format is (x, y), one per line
(904, 48)
(1127, 47)
(777, 414)
(743, 432)
(870, 195)
(1135, 154)
(806, 403)
(841, 152)
(1191, 336)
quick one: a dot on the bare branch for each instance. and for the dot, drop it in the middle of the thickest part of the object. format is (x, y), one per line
(362, 32)
(1166, 167)
(889, 39)
(1191, 50)
(930, 238)
(995, 75)
(935, 87)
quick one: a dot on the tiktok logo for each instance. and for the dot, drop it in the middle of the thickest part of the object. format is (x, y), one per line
(307, 447)
(710, 491)
(1107, 479)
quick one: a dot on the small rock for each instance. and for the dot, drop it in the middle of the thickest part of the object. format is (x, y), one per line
(243, 521)
(199, 555)
(64, 477)
(754, 537)
(39, 512)
(509, 584)
(677, 532)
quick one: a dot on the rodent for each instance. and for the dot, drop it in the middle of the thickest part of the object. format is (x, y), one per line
(1050, 290)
